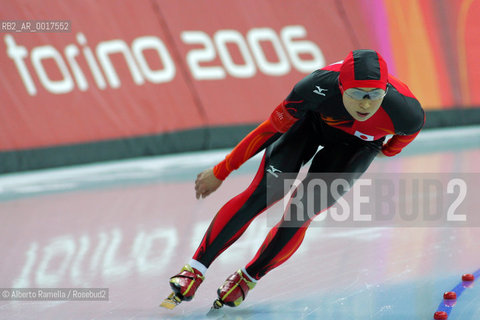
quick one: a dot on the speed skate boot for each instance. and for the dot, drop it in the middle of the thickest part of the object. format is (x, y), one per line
(184, 284)
(234, 290)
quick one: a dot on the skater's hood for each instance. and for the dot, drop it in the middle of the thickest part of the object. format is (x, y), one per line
(363, 69)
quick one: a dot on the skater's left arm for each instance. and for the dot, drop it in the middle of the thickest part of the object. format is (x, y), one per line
(407, 127)
(395, 145)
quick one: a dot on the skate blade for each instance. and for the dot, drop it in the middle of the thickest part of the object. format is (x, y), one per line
(171, 301)
(215, 309)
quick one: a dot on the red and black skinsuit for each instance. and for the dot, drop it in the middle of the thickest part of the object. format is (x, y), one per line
(312, 115)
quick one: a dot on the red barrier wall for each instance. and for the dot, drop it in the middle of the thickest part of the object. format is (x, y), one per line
(69, 105)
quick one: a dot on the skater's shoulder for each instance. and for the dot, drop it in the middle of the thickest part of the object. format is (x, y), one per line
(318, 86)
(403, 108)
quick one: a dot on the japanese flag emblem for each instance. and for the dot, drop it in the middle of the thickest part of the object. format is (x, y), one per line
(363, 136)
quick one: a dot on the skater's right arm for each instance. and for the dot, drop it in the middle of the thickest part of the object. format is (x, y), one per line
(266, 133)
(206, 183)
(261, 137)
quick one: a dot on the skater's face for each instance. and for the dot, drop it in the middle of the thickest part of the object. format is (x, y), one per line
(362, 103)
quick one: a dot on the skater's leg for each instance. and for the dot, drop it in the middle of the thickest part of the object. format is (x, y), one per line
(285, 238)
(232, 220)
(287, 154)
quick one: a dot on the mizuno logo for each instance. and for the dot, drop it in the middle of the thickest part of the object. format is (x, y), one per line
(319, 91)
(273, 171)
